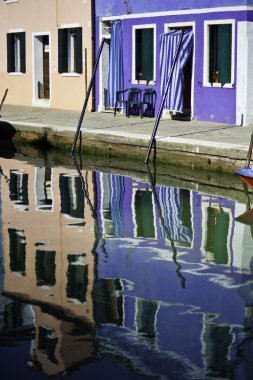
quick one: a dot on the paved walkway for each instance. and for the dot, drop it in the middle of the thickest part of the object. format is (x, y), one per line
(211, 139)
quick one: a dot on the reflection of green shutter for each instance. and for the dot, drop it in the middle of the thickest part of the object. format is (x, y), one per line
(144, 214)
(224, 53)
(221, 236)
(147, 54)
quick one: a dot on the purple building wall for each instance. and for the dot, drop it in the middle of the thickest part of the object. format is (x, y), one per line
(208, 103)
(116, 7)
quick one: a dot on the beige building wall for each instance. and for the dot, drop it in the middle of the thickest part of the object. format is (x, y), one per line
(39, 18)
(71, 349)
(47, 229)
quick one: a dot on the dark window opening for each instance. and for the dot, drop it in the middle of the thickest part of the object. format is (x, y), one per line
(220, 53)
(45, 268)
(17, 251)
(77, 278)
(144, 54)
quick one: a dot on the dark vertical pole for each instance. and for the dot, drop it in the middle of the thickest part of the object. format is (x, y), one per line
(93, 49)
(3, 99)
(164, 97)
(87, 96)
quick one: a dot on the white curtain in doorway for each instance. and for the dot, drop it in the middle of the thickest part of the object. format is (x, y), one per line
(115, 75)
(168, 47)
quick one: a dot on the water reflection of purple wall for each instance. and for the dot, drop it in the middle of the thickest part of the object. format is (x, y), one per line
(178, 286)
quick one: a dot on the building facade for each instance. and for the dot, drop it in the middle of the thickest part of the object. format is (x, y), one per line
(214, 78)
(46, 52)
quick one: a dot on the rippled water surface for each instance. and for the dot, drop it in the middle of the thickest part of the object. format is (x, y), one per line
(108, 276)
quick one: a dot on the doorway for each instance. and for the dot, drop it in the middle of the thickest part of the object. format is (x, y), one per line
(187, 94)
(187, 112)
(41, 70)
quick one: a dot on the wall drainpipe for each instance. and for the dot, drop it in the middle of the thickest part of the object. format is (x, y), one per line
(93, 52)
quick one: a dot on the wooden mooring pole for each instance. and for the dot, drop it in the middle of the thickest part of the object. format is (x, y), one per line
(249, 152)
(3, 99)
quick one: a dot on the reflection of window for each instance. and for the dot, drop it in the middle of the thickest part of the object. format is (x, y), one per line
(77, 278)
(13, 316)
(45, 268)
(144, 214)
(18, 317)
(219, 54)
(217, 228)
(108, 301)
(146, 317)
(19, 187)
(217, 341)
(47, 343)
(16, 52)
(43, 191)
(143, 54)
(70, 50)
(72, 198)
(17, 251)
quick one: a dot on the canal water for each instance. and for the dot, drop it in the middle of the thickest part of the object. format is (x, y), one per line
(108, 275)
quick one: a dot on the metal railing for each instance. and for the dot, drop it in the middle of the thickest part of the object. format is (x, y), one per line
(87, 96)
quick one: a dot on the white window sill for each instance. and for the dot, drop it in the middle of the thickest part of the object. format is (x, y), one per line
(16, 73)
(219, 85)
(71, 75)
(144, 82)
(10, 1)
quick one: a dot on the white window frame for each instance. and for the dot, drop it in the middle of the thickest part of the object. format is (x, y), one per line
(71, 58)
(134, 28)
(17, 57)
(206, 82)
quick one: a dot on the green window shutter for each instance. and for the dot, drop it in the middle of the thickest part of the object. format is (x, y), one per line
(79, 50)
(62, 51)
(138, 63)
(22, 53)
(147, 53)
(213, 53)
(10, 53)
(224, 52)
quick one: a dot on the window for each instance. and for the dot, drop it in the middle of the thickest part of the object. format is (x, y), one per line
(70, 50)
(77, 276)
(143, 65)
(45, 268)
(16, 52)
(219, 58)
(17, 251)
(43, 189)
(144, 213)
(72, 199)
(19, 188)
